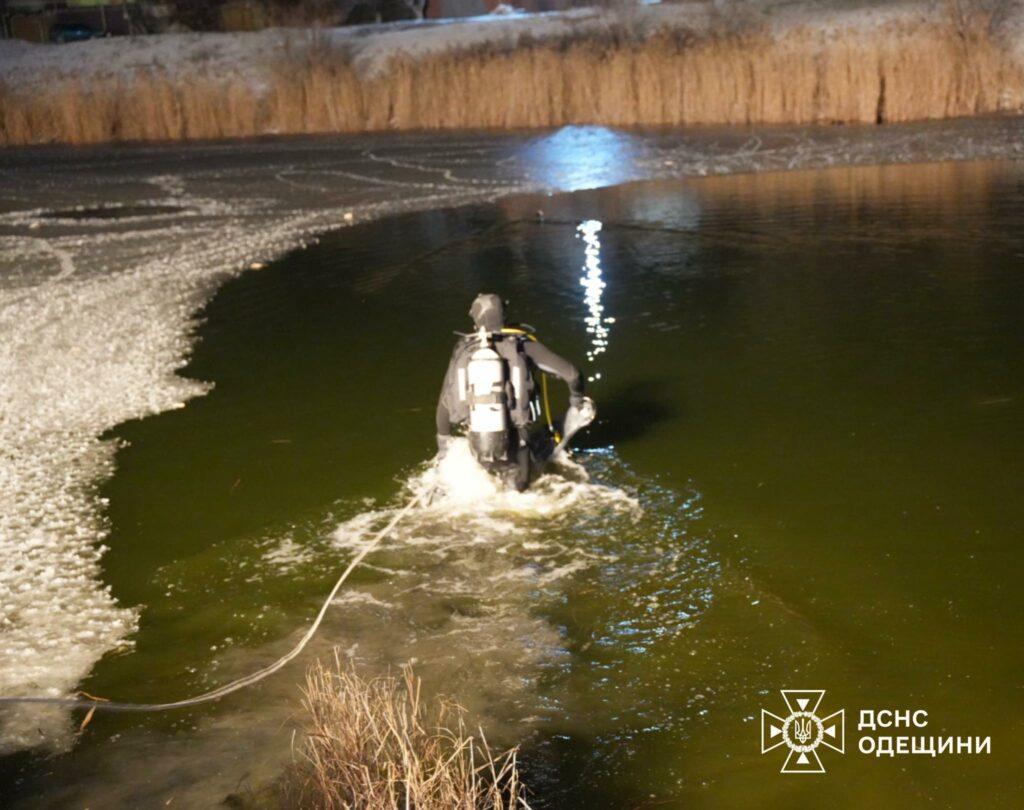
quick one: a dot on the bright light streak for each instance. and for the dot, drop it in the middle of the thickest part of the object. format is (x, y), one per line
(593, 285)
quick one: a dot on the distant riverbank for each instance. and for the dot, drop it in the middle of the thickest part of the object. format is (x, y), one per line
(672, 65)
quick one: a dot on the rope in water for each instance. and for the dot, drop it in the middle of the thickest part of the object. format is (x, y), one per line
(86, 700)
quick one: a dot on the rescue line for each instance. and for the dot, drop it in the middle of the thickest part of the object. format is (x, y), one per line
(84, 700)
(490, 389)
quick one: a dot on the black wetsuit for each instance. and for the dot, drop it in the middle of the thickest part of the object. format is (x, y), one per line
(529, 448)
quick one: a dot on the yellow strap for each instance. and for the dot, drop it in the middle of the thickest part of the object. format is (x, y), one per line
(509, 330)
(547, 407)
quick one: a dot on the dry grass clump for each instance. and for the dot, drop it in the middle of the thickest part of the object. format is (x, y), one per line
(727, 74)
(377, 744)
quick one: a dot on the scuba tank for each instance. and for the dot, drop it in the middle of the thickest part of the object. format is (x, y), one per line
(488, 410)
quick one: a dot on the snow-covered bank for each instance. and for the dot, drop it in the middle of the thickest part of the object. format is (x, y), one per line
(370, 48)
(682, 64)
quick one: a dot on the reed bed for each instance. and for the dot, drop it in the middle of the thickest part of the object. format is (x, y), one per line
(377, 744)
(903, 71)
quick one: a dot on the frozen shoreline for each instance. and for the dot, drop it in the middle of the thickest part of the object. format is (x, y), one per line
(97, 313)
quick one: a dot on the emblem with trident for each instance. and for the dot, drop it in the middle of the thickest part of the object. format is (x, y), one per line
(803, 731)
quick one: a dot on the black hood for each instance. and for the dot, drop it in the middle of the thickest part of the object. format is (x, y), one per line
(488, 312)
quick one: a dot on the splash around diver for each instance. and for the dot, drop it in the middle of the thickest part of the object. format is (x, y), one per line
(495, 390)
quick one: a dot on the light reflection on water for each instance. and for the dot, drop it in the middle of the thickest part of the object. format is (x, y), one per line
(576, 158)
(593, 284)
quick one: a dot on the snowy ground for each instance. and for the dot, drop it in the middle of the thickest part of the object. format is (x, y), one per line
(248, 55)
(106, 255)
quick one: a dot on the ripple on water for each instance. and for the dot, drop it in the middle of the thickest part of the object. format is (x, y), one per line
(474, 583)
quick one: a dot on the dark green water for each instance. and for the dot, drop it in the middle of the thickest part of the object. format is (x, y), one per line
(806, 474)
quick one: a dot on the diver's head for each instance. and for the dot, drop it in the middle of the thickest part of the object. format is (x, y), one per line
(488, 312)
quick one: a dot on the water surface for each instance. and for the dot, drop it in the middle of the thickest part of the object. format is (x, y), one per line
(805, 474)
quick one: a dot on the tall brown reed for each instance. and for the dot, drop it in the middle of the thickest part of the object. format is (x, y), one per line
(726, 75)
(378, 744)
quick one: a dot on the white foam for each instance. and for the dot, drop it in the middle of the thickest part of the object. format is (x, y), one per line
(287, 554)
(478, 562)
(460, 486)
(463, 504)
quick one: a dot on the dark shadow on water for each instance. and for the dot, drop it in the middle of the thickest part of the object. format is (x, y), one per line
(558, 771)
(628, 412)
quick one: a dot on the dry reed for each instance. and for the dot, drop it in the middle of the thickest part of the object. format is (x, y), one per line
(725, 75)
(377, 744)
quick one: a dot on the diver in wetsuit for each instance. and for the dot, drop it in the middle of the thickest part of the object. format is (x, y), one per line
(490, 387)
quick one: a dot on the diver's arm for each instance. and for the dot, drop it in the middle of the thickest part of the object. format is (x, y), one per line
(549, 362)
